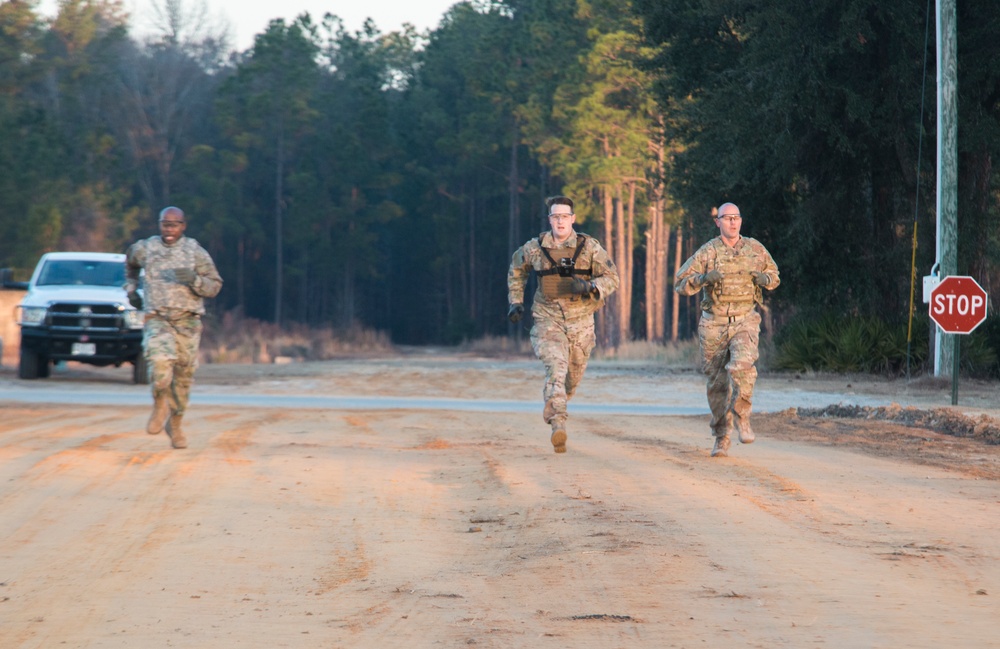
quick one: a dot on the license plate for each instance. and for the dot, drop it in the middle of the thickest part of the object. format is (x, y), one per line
(84, 349)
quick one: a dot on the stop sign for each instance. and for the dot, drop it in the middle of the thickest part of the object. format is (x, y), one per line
(958, 304)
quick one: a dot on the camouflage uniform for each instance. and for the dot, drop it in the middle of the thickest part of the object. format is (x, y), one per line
(729, 328)
(173, 313)
(563, 331)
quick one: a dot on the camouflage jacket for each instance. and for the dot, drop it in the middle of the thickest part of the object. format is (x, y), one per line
(737, 293)
(162, 293)
(592, 257)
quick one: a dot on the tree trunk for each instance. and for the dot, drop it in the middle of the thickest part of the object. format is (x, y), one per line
(470, 296)
(656, 264)
(662, 240)
(241, 260)
(656, 269)
(626, 219)
(662, 277)
(676, 311)
(279, 189)
(619, 234)
(609, 321)
(347, 288)
(651, 234)
(618, 227)
(513, 207)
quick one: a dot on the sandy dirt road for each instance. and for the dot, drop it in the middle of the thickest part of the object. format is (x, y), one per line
(325, 528)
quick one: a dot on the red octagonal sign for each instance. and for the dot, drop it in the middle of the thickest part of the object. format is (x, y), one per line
(958, 304)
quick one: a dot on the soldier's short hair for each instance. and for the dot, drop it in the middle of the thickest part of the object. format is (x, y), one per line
(558, 200)
(169, 210)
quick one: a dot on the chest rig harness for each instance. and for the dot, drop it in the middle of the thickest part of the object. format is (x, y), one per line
(736, 294)
(557, 280)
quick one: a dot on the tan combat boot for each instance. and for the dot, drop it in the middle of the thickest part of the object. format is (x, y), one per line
(176, 432)
(721, 448)
(161, 410)
(746, 433)
(558, 435)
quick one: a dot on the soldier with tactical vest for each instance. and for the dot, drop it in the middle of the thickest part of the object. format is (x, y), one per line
(575, 276)
(730, 270)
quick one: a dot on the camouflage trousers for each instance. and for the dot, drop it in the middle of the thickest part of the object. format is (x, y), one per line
(171, 350)
(729, 356)
(564, 348)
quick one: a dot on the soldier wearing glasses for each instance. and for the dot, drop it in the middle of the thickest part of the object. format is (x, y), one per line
(180, 274)
(575, 276)
(730, 271)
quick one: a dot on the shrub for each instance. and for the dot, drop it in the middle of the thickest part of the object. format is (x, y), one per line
(849, 344)
(978, 356)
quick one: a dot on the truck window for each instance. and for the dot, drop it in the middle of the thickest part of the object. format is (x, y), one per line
(66, 272)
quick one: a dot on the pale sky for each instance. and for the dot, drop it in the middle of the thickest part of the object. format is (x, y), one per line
(248, 18)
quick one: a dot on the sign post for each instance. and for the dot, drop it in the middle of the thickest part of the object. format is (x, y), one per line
(958, 306)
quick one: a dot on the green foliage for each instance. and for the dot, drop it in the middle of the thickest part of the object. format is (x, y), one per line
(870, 345)
(846, 344)
(809, 120)
(980, 351)
(20, 31)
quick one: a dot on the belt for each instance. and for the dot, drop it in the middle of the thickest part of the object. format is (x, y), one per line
(729, 319)
(171, 314)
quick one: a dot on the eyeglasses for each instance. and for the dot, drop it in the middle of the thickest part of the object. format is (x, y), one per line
(560, 217)
(733, 218)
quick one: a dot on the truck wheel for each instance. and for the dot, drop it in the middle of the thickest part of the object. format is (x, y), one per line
(44, 367)
(140, 373)
(28, 367)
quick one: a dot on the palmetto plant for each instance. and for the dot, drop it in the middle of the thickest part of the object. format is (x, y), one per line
(845, 344)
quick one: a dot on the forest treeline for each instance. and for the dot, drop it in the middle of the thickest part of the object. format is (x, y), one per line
(383, 180)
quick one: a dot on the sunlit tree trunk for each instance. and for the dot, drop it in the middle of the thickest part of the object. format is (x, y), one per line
(651, 234)
(608, 334)
(657, 239)
(662, 279)
(624, 222)
(676, 310)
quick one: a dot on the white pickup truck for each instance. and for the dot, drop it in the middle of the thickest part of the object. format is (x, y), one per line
(76, 309)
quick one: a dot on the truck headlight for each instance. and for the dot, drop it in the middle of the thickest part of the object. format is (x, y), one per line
(134, 319)
(32, 316)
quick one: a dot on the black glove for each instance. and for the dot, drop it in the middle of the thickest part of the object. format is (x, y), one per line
(581, 286)
(713, 276)
(760, 279)
(185, 276)
(135, 299)
(516, 312)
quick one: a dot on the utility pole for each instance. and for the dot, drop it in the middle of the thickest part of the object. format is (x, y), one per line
(946, 346)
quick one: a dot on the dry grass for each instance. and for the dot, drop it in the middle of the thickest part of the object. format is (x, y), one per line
(232, 339)
(671, 354)
(498, 346)
(242, 340)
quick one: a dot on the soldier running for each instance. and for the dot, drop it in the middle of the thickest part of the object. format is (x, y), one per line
(730, 270)
(180, 274)
(575, 277)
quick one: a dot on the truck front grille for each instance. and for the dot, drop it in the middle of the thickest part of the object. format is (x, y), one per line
(90, 317)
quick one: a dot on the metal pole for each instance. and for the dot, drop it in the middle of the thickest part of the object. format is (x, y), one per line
(954, 372)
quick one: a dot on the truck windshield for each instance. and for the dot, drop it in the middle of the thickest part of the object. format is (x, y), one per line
(81, 272)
